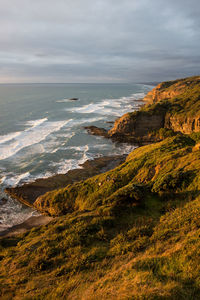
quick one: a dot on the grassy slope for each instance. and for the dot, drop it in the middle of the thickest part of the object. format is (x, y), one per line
(131, 233)
(186, 103)
(170, 166)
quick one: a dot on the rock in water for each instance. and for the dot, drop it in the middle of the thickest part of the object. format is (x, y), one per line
(94, 130)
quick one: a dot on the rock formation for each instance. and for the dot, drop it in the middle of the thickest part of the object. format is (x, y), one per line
(172, 105)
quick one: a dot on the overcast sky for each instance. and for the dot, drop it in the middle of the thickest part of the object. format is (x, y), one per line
(98, 40)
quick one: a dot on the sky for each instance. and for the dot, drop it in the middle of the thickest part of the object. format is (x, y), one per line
(98, 41)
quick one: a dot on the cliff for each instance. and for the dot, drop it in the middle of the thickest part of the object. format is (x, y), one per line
(129, 233)
(172, 105)
(170, 89)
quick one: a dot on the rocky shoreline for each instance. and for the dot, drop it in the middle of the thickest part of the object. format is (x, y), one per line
(157, 119)
(166, 112)
(29, 192)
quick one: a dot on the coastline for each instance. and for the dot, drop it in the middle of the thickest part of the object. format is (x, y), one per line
(137, 225)
(29, 192)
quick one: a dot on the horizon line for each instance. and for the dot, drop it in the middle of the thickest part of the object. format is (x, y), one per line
(20, 83)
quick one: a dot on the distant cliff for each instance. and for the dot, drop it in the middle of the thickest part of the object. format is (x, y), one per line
(172, 105)
(170, 89)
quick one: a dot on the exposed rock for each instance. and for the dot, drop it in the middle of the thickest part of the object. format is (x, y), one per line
(94, 130)
(183, 124)
(136, 125)
(132, 128)
(28, 193)
(159, 93)
(170, 89)
(174, 105)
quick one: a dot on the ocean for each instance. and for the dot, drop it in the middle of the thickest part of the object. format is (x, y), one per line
(42, 134)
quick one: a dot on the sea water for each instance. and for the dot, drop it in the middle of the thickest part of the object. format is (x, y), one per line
(42, 132)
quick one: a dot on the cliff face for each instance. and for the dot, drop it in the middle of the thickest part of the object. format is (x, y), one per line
(169, 89)
(173, 105)
(185, 125)
(133, 126)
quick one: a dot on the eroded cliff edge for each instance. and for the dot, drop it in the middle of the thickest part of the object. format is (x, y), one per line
(171, 107)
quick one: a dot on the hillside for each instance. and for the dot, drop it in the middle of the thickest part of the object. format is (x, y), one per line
(130, 233)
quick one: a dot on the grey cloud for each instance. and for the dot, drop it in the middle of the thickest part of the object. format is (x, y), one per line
(69, 41)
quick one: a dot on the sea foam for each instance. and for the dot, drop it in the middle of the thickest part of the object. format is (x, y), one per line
(7, 137)
(14, 180)
(109, 107)
(38, 131)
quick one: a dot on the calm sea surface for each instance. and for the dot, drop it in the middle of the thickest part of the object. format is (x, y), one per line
(41, 132)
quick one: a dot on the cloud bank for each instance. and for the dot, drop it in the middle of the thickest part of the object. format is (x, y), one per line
(98, 40)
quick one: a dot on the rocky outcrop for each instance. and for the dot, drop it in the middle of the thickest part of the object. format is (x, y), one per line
(94, 130)
(172, 105)
(183, 124)
(28, 193)
(159, 93)
(136, 126)
(170, 89)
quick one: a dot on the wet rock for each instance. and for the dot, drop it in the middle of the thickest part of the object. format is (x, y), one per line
(94, 130)
(28, 193)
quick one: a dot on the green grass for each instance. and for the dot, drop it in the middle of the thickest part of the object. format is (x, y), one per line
(185, 104)
(134, 236)
(166, 168)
